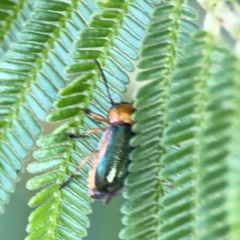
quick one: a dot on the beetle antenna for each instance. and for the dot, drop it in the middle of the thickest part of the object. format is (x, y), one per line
(105, 80)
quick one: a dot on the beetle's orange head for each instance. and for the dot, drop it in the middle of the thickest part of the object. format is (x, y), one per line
(121, 113)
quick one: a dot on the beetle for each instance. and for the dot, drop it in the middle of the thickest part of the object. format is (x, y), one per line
(110, 166)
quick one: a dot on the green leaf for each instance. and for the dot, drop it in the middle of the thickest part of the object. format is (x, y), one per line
(159, 54)
(199, 124)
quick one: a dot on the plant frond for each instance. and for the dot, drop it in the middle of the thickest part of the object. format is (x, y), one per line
(73, 202)
(196, 142)
(233, 156)
(168, 33)
(29, 79)
(12, 18)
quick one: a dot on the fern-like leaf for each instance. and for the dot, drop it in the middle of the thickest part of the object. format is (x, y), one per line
(169, 31)
(233, 157)
(13, 16)
(199, 110)
(29, 81)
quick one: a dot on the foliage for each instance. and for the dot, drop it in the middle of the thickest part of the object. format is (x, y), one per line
(184, 171)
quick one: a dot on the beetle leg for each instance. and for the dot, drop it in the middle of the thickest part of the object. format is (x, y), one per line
(96, 116)
(88, 132)
(82, 163)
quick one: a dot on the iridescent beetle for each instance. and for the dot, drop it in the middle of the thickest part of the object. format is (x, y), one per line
(110, 167)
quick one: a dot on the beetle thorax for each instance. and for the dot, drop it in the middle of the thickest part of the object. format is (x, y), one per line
(120, 114)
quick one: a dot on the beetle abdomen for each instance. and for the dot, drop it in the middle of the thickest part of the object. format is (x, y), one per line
(113, 166)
